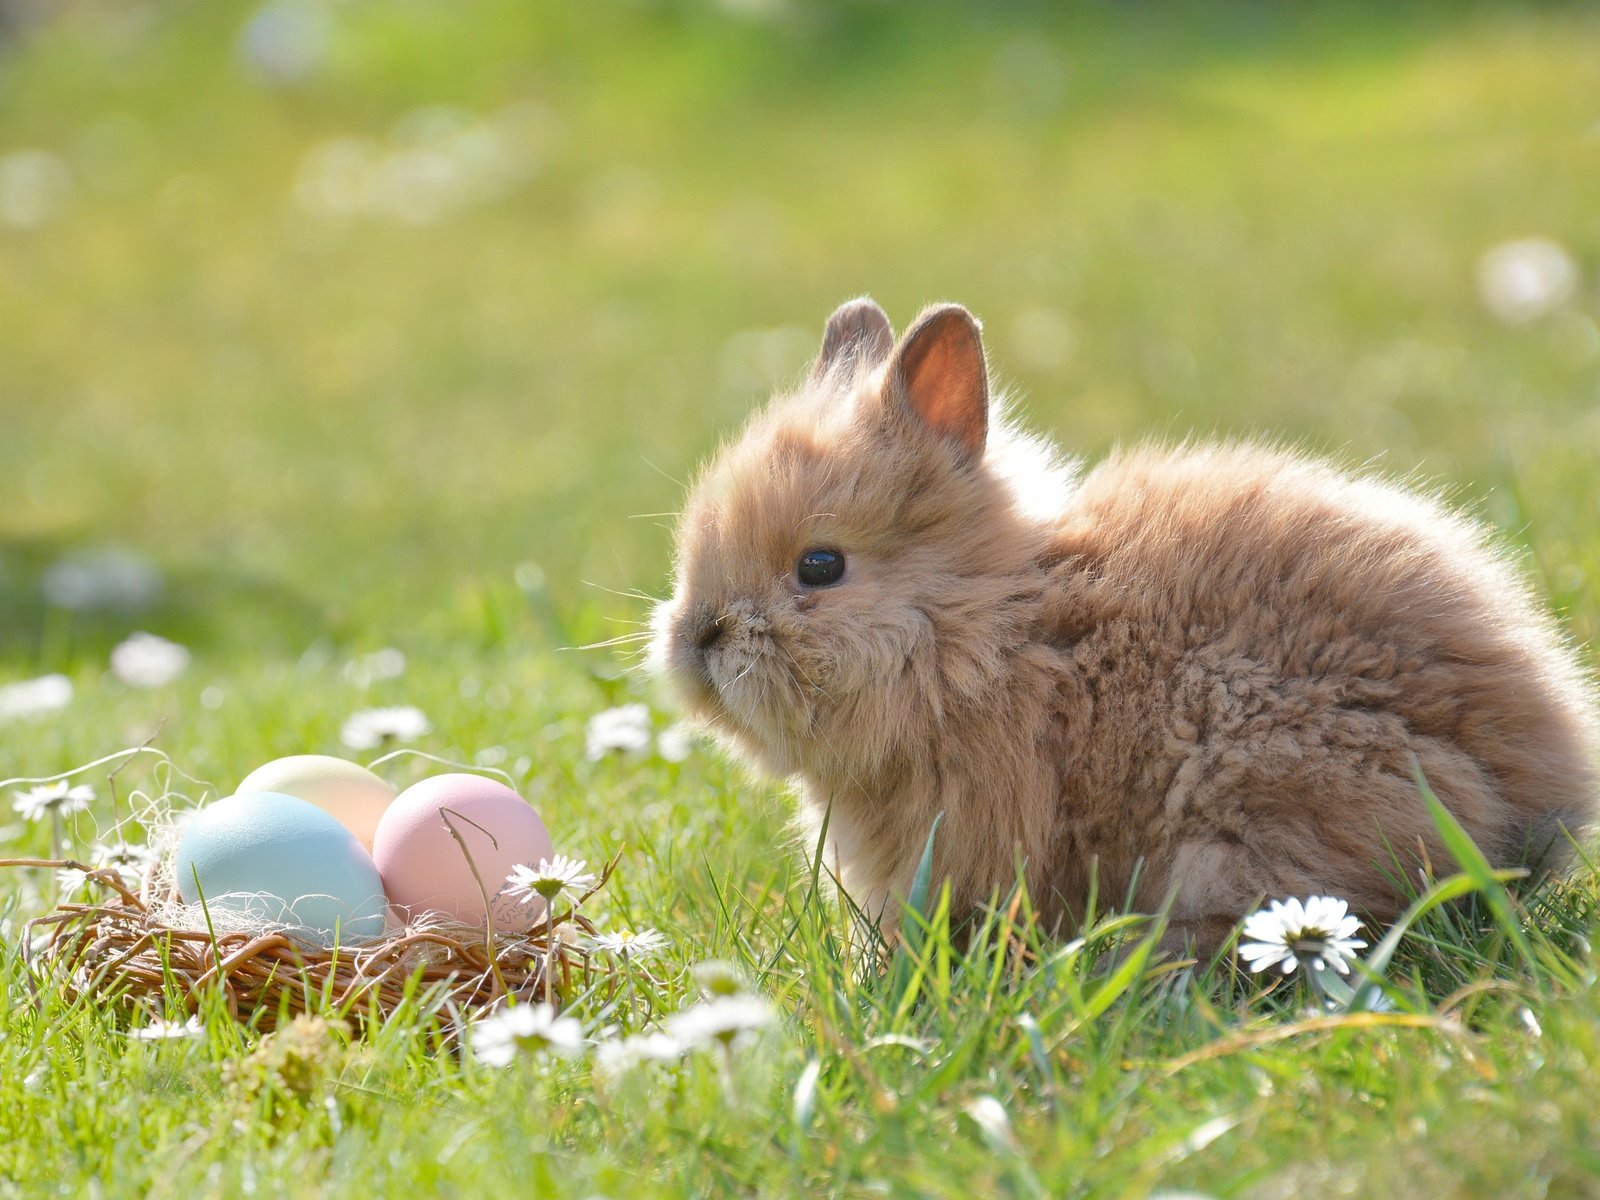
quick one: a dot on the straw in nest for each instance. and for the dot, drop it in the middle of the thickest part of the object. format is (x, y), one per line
(120, 948)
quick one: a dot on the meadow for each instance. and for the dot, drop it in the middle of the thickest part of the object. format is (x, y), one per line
(333, 331)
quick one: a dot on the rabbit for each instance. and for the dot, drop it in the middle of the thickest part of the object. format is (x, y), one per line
(1198, 675)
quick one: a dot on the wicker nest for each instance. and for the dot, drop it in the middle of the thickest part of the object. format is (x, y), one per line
(119, 949)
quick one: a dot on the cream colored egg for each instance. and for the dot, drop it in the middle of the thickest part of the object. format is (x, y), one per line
(352, 795)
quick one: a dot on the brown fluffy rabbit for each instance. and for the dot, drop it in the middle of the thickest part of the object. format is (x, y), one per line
(1199, 670)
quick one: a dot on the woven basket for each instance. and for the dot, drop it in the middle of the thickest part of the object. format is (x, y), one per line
(118, 950)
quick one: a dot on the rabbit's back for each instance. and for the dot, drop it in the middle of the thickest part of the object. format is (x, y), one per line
(1254, 648)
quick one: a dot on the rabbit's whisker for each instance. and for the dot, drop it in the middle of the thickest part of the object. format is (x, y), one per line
(633, 594)
(620, 640)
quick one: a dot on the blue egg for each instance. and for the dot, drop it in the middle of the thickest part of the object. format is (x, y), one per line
(282, 861)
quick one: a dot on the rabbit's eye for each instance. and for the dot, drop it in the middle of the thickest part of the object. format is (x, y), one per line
(818, 568)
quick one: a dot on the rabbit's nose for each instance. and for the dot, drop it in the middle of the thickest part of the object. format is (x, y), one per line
(703, 629)
(709, 631)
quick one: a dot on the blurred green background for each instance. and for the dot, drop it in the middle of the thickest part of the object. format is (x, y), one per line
(358, 345)
(366, 322)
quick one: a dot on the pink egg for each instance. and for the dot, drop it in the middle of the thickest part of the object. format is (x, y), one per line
(424, 868)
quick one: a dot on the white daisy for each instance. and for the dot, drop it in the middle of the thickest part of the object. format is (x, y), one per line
(558, 878)
(163, 1031)
(1522, 280)
(718, 978)
(284, 43)
(526, 1028)
(1288, 933)
(626, 729)
(628, 944)
(35, 185)
(1530, 1022)
(725, 1020)
(104, 579)
(374, 727)
(131, 863)
(34, 697)
(147, 661)
(675, 743)
(387, 663)
(621, 1055)
(992, 1120)
(58, 799)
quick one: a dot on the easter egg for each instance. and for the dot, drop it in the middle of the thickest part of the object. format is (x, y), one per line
(352, 795)
(272, 859)
(424, 867)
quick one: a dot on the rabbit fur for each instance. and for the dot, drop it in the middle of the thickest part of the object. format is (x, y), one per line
(1196, 674)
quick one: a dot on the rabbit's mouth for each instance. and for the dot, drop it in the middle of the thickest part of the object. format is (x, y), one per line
(727, 666)
(679, 652)
(738, 669)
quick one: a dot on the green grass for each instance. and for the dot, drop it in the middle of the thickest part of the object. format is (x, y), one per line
(338, 434)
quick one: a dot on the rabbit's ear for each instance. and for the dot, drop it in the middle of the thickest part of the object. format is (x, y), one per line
(859, 333)
(938, 373)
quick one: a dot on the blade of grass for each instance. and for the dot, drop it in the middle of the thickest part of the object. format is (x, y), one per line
(913, 926)
(1472, 861)
(1374, 965)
